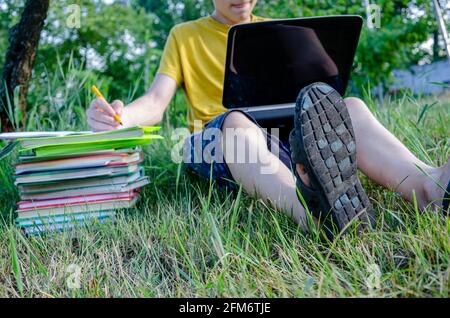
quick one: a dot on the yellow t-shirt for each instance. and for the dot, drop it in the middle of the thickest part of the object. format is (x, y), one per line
(194, 56)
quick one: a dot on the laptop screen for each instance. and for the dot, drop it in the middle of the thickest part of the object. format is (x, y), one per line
(269, 62)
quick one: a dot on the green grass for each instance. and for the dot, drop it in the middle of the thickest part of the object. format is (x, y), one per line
(187, 238)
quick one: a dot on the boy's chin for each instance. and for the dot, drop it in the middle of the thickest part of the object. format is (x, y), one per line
(243, 17)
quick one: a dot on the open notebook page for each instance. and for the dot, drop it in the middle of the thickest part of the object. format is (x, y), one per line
(37, 134)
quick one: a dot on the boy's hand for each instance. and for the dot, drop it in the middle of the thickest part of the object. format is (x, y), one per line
(100, 114)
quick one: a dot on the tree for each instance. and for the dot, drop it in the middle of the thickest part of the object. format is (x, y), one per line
(114, 43)
(23, 42)
(9, 15)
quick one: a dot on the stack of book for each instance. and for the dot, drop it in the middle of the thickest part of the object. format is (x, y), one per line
(67, 180)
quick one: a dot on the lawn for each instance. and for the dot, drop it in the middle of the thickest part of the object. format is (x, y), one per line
(187, 238)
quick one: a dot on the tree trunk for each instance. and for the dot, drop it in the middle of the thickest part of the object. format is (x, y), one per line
(23, 43)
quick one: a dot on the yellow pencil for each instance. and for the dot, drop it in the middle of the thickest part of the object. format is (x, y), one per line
(99, 95)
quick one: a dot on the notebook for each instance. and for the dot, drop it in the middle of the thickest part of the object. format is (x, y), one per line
(63, 218)
(81, 148)
(124, 133)
(80, 183)
(52, 176)
(25, 159)
(36, 145)
(118, 188)
(77, 199)
(66, 178)
(110, 159)
(94, 206)
(39, 134)
(37, 229)
(63, 143)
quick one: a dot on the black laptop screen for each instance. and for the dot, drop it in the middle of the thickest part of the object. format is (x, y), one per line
(269, 62)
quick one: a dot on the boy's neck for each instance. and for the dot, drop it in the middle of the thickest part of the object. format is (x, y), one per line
(224, 20)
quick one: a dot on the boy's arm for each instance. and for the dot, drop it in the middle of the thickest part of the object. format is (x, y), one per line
(147, 110)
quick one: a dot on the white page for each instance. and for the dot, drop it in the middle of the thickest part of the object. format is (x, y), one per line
(36, 134)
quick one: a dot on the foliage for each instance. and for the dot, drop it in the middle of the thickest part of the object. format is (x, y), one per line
(115, 41)
(9, 15)
(171, 12)
(404, 26)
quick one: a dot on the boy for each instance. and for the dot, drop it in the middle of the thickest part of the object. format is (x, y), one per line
(324, 154)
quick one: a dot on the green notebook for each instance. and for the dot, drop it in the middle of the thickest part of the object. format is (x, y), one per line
(28, 159)
(85, 143)
(132, 132)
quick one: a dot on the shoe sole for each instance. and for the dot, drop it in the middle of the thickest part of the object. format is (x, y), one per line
(329, 142)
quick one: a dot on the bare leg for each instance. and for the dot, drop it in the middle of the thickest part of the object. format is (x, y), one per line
(385, 160)
(277, 185)
(381, 156)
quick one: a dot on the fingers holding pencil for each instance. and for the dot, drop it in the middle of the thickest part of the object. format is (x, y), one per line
(100, 119)
(104, 116)
(105, 105)
(117, 106)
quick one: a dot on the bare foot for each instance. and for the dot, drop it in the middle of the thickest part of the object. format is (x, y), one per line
(302, 173)
(434, 188)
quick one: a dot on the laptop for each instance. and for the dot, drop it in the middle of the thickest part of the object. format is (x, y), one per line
(269, 62)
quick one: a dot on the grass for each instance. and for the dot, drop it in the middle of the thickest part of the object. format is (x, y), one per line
(188, 238)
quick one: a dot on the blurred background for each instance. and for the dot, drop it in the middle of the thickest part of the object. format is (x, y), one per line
(118, 43)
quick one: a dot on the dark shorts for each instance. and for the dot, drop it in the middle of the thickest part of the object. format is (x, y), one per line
(218, 171)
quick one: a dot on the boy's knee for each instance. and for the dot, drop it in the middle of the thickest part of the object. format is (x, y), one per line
(357, 108)
(236, 119)
(237, 126)
(354, 102)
